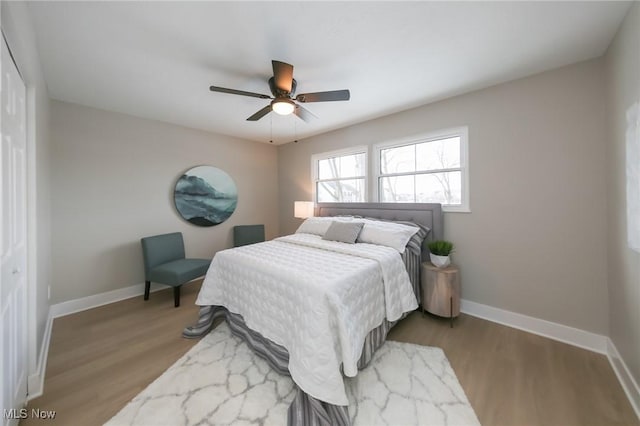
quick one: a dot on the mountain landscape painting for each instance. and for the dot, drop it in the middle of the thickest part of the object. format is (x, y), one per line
(205, 196)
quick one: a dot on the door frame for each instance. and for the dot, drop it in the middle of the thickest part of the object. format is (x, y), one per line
(32, 254)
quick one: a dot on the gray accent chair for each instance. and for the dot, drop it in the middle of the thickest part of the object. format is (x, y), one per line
(247, 234)
(165, 263)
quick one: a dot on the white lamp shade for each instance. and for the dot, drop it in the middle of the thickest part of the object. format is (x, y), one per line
(282, 106)
(303, 209)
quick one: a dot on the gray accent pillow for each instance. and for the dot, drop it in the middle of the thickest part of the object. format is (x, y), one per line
(345, 232)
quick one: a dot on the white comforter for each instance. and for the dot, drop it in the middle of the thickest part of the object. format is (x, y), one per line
(319, 299)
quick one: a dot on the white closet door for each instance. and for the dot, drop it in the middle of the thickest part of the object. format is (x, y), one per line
(13, 241)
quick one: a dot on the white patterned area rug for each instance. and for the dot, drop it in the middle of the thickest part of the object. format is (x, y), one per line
(221, 381)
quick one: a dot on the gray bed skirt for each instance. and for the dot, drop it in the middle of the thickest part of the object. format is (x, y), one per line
(305, 410)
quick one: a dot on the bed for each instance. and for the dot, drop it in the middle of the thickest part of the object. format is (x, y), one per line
(317, 310)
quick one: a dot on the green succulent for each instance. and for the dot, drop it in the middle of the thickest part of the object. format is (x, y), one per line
(441, 247)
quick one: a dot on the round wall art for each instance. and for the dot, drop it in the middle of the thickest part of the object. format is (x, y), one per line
(205, 196)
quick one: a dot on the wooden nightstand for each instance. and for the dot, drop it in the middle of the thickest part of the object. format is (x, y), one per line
(440, 290)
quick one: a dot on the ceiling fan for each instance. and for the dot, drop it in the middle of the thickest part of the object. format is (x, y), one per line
(283, 87)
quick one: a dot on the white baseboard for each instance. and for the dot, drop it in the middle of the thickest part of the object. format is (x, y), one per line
(625, 377)
(35, 382)
(572, 336)
(93, 301)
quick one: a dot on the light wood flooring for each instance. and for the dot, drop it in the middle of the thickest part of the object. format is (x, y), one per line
(101, 358)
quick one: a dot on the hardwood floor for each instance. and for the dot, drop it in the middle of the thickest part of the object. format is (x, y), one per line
(101, 358)
(517, 378)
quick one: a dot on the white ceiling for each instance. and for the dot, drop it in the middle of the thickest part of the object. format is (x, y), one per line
(157, 59)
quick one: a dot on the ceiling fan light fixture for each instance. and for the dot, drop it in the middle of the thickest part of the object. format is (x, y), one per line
(283, 106)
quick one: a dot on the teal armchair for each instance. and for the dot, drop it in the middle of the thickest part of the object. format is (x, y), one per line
(247, 234)
(165, 263)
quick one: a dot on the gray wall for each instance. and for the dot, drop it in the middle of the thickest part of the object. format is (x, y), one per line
(18, 29)
(533, 242)
(623, 78)
(113, 180)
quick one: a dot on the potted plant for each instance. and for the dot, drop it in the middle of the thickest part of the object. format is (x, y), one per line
(439, 253)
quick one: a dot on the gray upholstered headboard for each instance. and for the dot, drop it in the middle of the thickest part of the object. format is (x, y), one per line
(426, 214)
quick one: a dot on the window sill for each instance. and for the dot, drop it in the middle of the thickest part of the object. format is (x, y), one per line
(456, 209)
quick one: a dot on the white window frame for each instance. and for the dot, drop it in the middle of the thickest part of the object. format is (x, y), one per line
(461, 132)
(315, 159)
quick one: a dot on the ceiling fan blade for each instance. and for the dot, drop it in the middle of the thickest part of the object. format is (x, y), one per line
(283, 75)
(258, 115)
(238, 92)
(334, 95)
(304, 113)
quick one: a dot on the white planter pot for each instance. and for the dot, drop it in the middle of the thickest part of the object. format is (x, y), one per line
(440, 261)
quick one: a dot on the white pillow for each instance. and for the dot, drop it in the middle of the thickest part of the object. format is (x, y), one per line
(388, 234)
(319, 225)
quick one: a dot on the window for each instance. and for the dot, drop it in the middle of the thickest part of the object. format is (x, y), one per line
(340, 176)
(429, 169)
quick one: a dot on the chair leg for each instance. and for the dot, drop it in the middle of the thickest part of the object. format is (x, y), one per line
(147, 287)
(176, 296)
